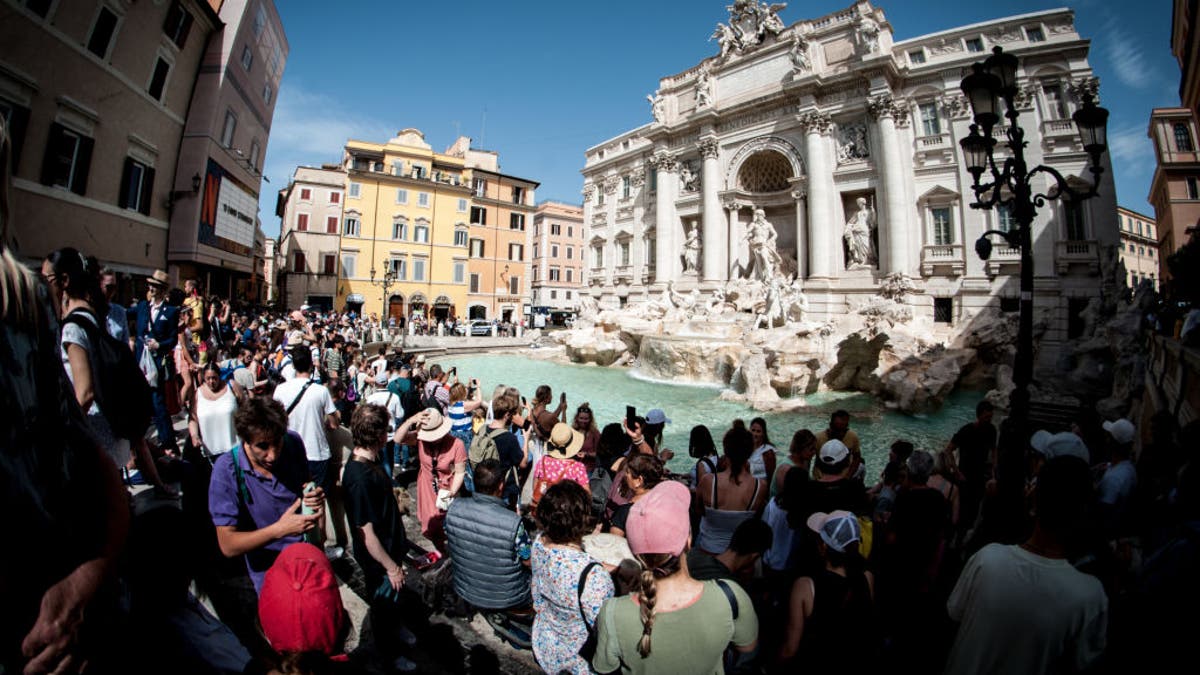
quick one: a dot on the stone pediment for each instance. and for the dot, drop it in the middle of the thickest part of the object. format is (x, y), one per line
(938, 193)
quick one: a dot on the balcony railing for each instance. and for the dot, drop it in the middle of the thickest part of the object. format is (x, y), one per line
(944, 259)
(1077, 252)
(1003, 256)
(1059, 135)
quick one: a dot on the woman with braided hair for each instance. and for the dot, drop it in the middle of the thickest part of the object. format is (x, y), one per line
(673, 623)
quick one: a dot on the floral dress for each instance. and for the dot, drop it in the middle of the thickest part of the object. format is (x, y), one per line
(558, 629)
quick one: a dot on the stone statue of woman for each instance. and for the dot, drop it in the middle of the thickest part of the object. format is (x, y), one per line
(691, 251)
(762, 246)
(858, 236)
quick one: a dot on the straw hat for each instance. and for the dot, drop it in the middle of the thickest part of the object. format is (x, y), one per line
(564, 442)
(158, 278)
(435, 427)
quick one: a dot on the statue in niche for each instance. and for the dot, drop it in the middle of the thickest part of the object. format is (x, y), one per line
(868, 35)
(763, 247)
(799, 54)
(691, 251)
(704, 88)
(852, 143)
(689, 181)
(858, 234)
(658, 107)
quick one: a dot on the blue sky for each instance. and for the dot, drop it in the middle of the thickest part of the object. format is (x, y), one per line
(539, 82)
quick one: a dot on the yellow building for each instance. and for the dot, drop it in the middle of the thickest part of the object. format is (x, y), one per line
(406, 211)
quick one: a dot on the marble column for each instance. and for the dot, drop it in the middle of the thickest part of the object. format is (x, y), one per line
(801, 235)
(895, 231)
(713, 255)
(823, 239)
(736, 245)
(667, 265)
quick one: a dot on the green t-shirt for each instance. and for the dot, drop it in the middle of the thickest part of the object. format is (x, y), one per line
(688, 640)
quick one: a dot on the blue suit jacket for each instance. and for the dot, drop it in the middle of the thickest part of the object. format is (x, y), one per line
(165, 329)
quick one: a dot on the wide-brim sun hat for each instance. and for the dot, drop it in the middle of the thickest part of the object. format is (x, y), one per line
(435, 427)
(564, 442)
(158, 278)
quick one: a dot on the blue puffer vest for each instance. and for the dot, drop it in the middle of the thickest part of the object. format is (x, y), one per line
(481, 533)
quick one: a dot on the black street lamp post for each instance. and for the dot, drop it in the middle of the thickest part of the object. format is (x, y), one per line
(1011, 185)
(389, 278)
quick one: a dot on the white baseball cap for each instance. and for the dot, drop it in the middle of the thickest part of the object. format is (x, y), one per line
(1122, 431)
(834, 451)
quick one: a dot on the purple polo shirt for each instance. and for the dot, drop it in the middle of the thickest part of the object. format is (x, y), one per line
(268, 498)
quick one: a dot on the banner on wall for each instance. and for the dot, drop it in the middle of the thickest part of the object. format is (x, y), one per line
(227, 212)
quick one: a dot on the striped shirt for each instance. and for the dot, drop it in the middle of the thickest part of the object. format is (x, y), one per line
(459, 419)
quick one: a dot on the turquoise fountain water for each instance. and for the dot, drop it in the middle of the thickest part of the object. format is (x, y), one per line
(609, 390)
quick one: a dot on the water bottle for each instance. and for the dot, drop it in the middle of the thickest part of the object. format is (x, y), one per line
(313, 535)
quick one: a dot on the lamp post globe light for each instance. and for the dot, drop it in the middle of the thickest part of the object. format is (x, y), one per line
(991, 88)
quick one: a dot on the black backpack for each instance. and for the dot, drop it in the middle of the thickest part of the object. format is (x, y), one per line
(121, 389)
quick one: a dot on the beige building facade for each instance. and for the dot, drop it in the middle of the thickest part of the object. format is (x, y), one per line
(1139, 247)
(96, 95)
(310, 216)
(228, 122)
(557, 248)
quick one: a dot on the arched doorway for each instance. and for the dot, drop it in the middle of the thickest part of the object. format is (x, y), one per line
(418, 305)
(443, 309)
(477, 312)
(396, 307)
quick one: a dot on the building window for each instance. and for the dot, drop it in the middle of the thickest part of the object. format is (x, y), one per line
(399, 229)
(1138, 227)
(570, 252)
(553, 295)
(516, 252)
(943, 226)
(477, 248)
(1075, 228)
(568, 292)
(418, 172)
(929, 119)
(137, 186)
(401, 196)
(1056, 105)
(535, 249)
(599, 195)
(302, 222)
(975, 45)
(479, 185)
(943, 310)
(1183, 138)
(1141, 250)
(352, 226)
(247, 57)
(554, 274)
(1035, 34)
(305, 194)
(423, 199)
(331, 224)
(478, 215)
(298, 261)
(400, 268)
(554, 250)
(535, 273)
(68, 159)
(178, 24)
(421, 234)
(158, 83)
(330, 263)
(462, 206)
(418, 270)
(228, 129)
(267, 93)
(335, 197)
(597, 256)
(355, 190)
(514, 285)
(460, 237)
(254, 150)
(474, 284)
(916, 56)
(569, 276)
(626, 187)
(570, 231)
(652, 179)
(516, 221)
(1004, 218)
(518, 195)
(348, 261)
(624, 250)
(555, 229)
(103, 32)
(1193, 188)
(1150, 253)
(460, 271)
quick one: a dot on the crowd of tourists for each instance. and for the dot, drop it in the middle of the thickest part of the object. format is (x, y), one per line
(570, 535)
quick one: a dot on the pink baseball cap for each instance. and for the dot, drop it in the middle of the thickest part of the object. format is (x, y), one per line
(659, 521)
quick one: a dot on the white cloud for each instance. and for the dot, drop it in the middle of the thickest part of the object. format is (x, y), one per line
(1127, 56)
(1131, 148)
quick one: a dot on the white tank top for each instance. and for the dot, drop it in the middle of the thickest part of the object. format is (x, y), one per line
(216, 421)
